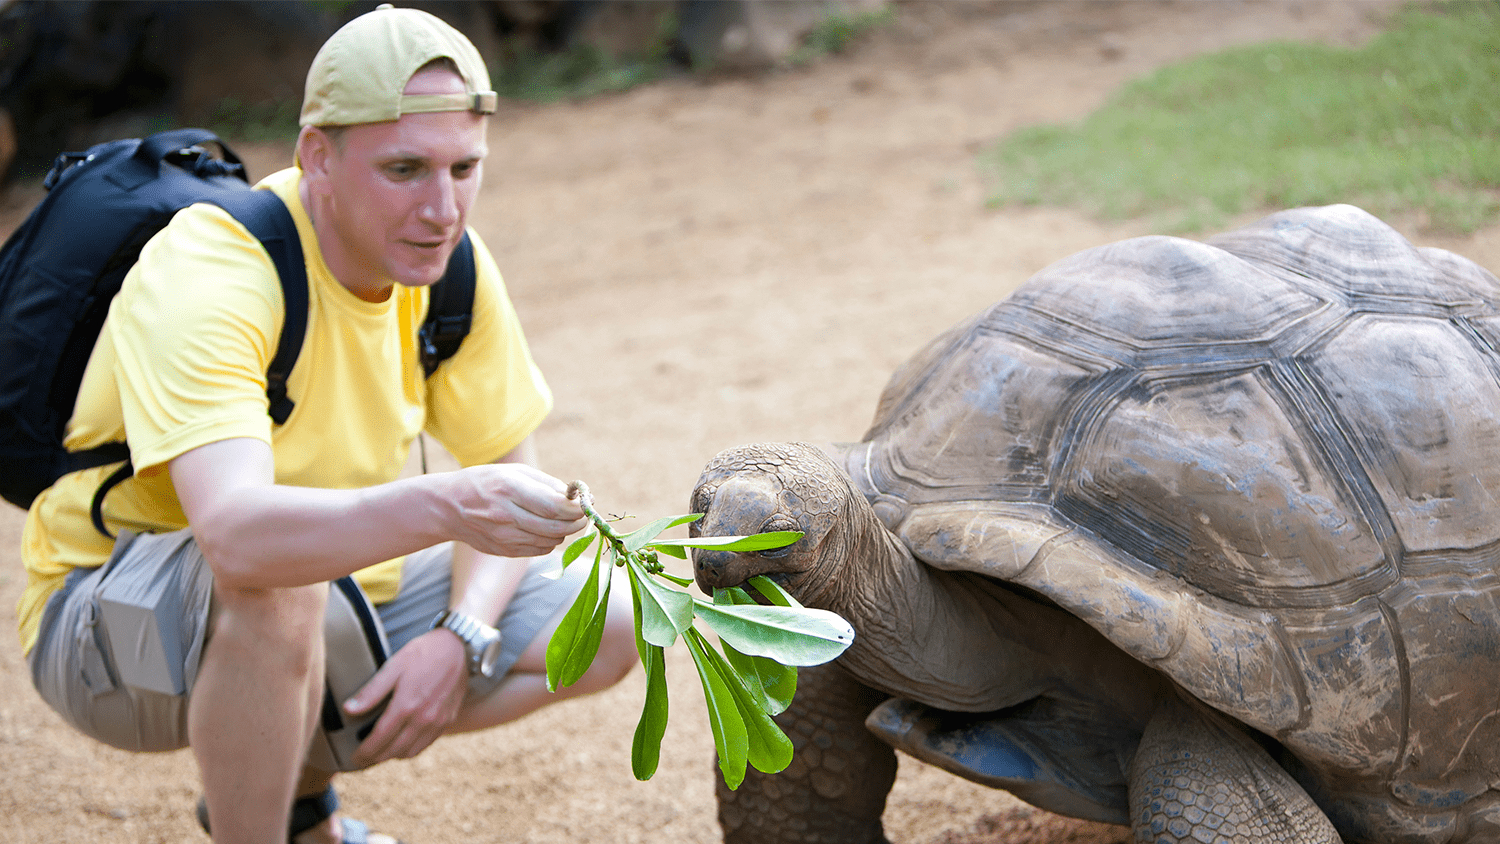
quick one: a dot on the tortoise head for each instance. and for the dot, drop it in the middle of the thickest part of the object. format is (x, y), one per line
(777, 486)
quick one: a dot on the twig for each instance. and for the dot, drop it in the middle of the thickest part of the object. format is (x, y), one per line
(579, 491)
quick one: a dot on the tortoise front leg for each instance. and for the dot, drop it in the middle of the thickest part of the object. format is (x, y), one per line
(1195, 778)
(834, 791)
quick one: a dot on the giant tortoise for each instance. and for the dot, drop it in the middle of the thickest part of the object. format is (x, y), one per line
(1196, 537)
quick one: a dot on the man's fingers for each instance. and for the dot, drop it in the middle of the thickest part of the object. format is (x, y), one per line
(538, 493)
(372, 692)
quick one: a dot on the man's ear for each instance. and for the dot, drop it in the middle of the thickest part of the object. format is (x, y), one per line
(315, 153)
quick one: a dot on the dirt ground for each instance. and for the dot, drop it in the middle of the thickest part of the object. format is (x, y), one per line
(700, 264)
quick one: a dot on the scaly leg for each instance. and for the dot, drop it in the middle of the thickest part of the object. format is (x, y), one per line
(834, 791)
(1198, 780)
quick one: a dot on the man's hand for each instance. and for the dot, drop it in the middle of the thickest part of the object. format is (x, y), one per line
(512, 509)
(426, 681)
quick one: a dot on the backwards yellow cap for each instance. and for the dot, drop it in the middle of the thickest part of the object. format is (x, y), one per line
(358, 75)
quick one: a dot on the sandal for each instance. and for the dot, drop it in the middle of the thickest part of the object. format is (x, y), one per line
(308, 812)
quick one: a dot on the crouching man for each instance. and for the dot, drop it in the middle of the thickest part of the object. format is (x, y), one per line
(244, 522)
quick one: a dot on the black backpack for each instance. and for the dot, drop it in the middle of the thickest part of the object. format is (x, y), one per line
(62, 266)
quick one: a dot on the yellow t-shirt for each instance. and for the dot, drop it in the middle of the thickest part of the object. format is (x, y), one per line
(182, 362)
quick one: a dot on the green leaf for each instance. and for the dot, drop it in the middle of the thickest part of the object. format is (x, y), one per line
(731, 740)
(772, 683)
(664, 612)
(767, 747)
(773, 591)
(755, 542)
(578, 547)
(576, 641)
(684, 582)
(645, 748)
(669, 550)
(791, 636)
(638, 538)
(733, 595)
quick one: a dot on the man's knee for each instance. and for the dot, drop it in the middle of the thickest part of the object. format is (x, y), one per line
(284, 620)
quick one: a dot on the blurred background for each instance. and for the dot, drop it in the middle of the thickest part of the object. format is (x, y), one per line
(76, 71)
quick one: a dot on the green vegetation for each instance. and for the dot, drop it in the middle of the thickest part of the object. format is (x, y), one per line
(744, 685)
(836, 33)
(255, 122)
(1409, 122)
(575, 73)
(582, 70)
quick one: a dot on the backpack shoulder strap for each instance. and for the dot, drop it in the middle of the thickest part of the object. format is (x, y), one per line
(450, 309)
(266, 216)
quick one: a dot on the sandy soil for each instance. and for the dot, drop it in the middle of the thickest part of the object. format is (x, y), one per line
(701, 264)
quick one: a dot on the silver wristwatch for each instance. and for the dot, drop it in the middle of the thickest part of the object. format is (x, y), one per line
(481, 641)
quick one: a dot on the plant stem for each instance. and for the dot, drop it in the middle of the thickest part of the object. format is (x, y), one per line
(579, 491)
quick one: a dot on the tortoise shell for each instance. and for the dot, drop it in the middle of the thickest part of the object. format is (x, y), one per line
(1267, 465)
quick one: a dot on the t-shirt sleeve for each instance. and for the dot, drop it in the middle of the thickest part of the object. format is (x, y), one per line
(194, 327)
(489, 396)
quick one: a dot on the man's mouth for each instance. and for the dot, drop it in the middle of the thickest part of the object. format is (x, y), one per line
(428, 245)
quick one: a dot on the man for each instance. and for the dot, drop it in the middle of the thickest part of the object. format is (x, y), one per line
(248, 521)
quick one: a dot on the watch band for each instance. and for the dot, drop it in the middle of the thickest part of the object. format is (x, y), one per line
(481, 641)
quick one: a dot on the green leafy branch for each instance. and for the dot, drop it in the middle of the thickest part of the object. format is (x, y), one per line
(754, 676)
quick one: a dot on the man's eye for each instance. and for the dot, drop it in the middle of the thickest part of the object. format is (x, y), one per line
(461, 171)
(400, 170)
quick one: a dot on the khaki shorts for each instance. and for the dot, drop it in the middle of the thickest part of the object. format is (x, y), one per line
(74, 668)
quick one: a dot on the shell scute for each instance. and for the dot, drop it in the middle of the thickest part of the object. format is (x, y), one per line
(1414, 428)
(981, 425)
(1454, 721)
(1352, 663)
(1357, 258)
(1216, 483)
(1163, 293)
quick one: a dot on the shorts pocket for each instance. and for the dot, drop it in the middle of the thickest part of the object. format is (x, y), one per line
(97, 675)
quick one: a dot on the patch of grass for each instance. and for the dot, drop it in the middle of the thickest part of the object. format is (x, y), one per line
(836, 33)
(272, 120)
(1409, 122)
(581, 71)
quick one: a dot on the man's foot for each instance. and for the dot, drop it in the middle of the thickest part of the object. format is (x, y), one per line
(314, 821)
(341, 830)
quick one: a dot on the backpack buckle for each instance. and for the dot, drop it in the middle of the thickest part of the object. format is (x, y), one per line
(61, 165)
(204, 162)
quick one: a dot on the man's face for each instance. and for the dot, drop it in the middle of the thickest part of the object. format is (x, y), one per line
(398, 194)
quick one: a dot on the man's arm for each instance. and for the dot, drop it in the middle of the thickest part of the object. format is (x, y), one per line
(427, 679)
(257, 534)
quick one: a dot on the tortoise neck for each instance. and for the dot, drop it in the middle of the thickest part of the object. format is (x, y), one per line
(880, 579)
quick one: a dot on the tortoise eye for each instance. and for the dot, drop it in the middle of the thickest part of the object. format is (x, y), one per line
(780, 521)
(775, 523)
(702, 498)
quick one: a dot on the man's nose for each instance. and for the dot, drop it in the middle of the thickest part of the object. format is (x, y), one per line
(441, 205)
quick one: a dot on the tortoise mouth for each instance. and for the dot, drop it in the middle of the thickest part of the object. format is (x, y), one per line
(720, 570)
(779, 578)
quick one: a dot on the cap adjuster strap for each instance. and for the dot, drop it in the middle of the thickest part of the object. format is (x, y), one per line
(479, 102)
